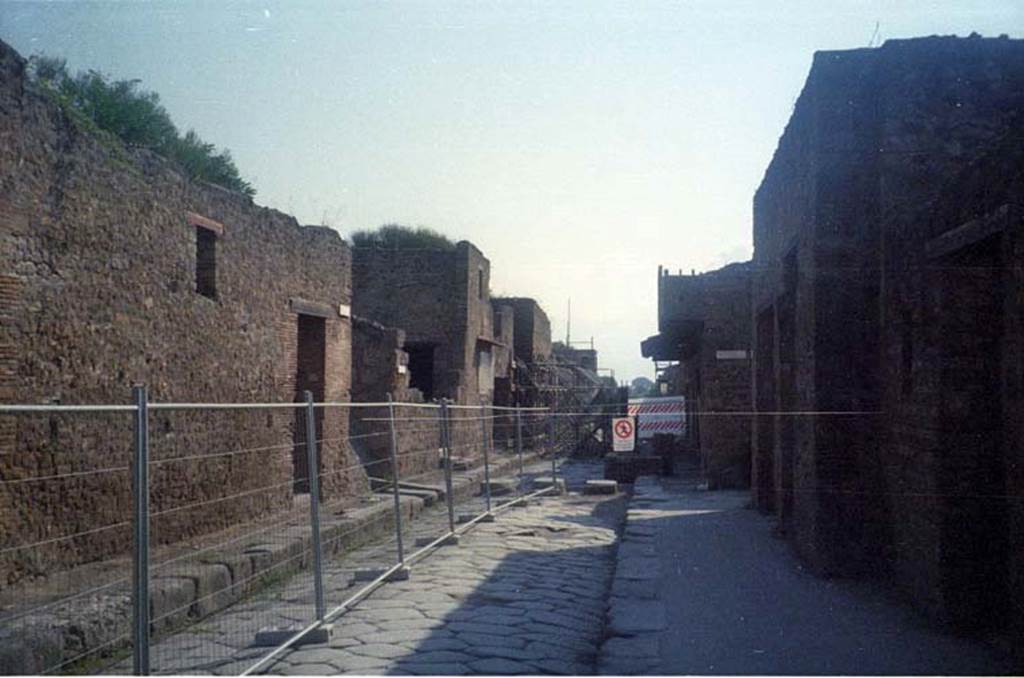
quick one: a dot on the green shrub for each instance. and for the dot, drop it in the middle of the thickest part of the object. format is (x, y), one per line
(136, 117)
(398, 237)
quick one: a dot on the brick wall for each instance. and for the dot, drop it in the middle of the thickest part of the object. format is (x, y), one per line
(886, 245)
(97, 292)
(437, 298)
(532, 329)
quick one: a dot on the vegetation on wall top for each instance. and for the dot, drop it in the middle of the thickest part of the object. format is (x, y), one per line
(135, 116)
(398, 237)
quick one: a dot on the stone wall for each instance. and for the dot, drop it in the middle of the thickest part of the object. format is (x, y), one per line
(98, 256)
(380, 369)
(532, 329)
(705, 324)
(886, 297)
(441, 299)
(724, 383)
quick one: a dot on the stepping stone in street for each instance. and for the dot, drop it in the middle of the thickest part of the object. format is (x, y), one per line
(501, 488)
(600, 487)
(460, 464)
(544, 482)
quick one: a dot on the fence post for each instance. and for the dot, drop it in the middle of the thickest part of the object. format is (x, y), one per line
(553, 449)
(394, 480)
(140, 557)
(314, 505)
(446, 443)
(519, 446)
(487, 463)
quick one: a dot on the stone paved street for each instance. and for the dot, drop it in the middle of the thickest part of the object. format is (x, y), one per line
(703, 587)
(525, 594)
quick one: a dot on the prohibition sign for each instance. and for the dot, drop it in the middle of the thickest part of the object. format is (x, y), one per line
(624, 428)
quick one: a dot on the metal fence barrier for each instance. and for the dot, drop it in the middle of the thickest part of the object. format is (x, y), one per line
(252, 525)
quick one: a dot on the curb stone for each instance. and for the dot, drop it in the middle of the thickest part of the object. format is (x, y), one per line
(635, 616)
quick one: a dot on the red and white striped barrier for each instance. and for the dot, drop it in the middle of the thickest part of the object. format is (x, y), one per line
(658, 415)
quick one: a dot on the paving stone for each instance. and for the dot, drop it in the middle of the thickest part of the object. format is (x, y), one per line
(380, 650)
(556, 619)
(346, 628)
(498, 666)
(629, 617)
(644, 646)
(391, 614)
(567, 641)
(505, 640)
(404, 637)
(407, 624)
(477, 627)
(517, 653)
(559, 667)
(441, 644)
(434, 669)
(439, 657)
(310, 670)
(359, 664)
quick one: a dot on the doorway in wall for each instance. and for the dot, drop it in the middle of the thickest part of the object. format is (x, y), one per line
(421, 368)
(310, 375)
(975, 539)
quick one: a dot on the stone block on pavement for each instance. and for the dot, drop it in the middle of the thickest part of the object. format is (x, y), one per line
(600, 487)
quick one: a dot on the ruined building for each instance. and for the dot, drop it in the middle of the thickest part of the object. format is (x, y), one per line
(887, 300)
(704, 326)
(441, 299)
(531, 345)
(116, 269)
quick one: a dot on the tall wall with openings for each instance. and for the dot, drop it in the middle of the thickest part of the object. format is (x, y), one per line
(116, 269)
(887, 299)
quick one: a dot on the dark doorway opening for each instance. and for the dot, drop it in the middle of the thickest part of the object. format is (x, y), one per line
(421, 368)
(975, 539)
(310, 375)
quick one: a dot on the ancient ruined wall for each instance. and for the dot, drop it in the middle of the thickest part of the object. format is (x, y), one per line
(532, 329)
(98, 292)
(706, 318)
(379, 368)
(477, 384)
(435, 296)
(724, 363)
(863, 290)
(949, 339)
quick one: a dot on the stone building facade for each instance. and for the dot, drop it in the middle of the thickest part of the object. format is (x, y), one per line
(441, 299)
(116, 269)
(887, 299)
(704, 324)
(532, 329)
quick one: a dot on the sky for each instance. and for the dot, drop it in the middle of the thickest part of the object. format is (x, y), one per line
(579, 145)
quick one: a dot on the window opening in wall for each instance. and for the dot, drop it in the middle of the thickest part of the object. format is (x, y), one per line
(480, 283)
(206, 262)
(421, 368)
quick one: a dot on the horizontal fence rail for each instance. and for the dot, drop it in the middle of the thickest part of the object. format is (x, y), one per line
(198, 537)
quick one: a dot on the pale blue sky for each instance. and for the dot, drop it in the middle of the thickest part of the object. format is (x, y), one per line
(579, 145)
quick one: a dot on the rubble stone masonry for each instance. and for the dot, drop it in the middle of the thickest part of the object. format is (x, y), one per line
(887, 299)
(99, 290)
